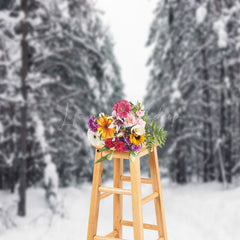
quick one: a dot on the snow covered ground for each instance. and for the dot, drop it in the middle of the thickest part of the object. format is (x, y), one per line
(193, 212)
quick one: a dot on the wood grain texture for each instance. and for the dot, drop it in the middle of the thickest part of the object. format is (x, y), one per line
(145, 225)
(104, 195)
(158, 201)
(95, 197)
(115, 190)
(112, 234)
(143, 180)
(117, 198)
(149, 198)
(136, 199)
(107, 238)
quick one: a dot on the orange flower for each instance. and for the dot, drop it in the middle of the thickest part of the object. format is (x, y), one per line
(103, 128)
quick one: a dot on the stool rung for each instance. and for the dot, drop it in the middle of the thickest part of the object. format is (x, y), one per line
(107, 238)
(149, 197)
(143, 180)
(112, 234)
(104, 195)
(145, 225)
(115, 190)
(161, 238)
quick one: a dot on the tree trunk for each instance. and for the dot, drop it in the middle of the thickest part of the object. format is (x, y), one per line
(228, 151)
(24, 45)
(208, 159)
(181, 173)
(229, 156)
(222, 121)
(12, 148)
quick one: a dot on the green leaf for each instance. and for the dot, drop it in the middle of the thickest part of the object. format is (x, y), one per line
(132, 156)
(104, 148)
(131, 104)
(151, 124)
(158, 142)
(155, 127)
(145, 117)
(107, 157)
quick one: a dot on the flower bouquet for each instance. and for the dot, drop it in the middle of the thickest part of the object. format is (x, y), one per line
(126, 130)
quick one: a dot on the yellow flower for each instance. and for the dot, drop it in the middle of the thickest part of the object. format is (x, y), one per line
(103, 129)
(137, 139)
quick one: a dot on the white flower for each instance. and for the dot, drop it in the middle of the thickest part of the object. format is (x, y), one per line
(116, 121)
(138, 129)
(94, 138)
(114, 114)
(101, 114)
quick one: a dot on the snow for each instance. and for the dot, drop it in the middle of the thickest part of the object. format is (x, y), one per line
(227, 82)
(1, 128)
(175, 95)
(219, 28)
(63, 7)
(129, 46)
(51, 183)
(40, 132)
(195, 211)
(50, 173)
(201, 14)
(5, 16)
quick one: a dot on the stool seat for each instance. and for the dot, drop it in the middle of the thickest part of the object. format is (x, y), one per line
(124, 155)
(100, 192)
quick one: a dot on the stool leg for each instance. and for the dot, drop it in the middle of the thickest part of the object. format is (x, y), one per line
(156, 184)
(95, 197)
(136, 199)
(117, 198)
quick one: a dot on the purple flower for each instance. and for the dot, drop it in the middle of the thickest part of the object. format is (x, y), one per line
(126, 148)
(127, 140)
(136, 148)
(92, 124)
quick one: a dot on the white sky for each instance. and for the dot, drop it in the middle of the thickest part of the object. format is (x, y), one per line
(129, 22)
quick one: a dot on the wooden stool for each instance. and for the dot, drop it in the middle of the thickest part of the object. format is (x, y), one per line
(100, 192)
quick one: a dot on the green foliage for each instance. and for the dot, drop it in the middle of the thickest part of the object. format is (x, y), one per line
(153, 134)
(107, 157)
(136, 107)
(132, 156)
(104, 148)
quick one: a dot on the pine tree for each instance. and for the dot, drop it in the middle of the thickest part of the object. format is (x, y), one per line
(70, 72)
(193, 76)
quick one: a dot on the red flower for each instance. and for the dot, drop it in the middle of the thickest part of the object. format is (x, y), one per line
(120, 147)
(109, 143)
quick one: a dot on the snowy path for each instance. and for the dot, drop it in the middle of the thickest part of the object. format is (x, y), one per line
(193, 212)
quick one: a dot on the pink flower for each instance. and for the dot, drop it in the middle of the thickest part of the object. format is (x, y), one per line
(115, 107)
(130, 120)
(122, 108)
(141, 122)
(140, 113)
